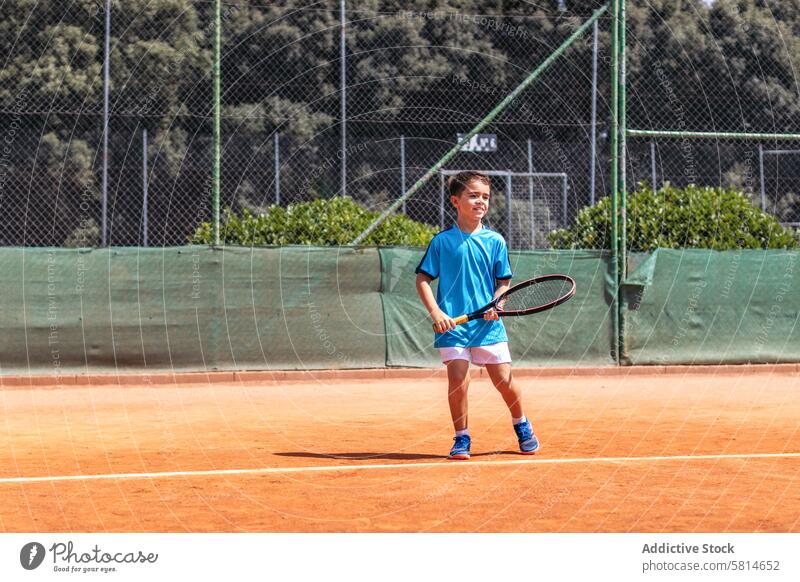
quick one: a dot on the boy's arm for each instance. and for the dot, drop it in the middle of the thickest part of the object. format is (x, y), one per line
(441, 321)
(501, 286)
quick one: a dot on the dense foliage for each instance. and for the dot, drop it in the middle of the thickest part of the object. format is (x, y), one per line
(415, 67)
(336, 221)
(693, 217)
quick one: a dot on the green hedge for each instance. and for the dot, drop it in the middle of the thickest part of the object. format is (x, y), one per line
(692, 217)
(335, 221)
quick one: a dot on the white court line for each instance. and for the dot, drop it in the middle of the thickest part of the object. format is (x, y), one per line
(442, 463)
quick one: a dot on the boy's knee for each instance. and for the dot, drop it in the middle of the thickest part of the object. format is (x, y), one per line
(503, 384)
(458, 372)
(458, 385)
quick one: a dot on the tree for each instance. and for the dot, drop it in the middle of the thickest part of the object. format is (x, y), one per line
(423, 68)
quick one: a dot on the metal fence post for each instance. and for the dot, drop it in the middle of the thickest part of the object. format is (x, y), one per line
(277, 153)
(530, 163)
(441, 201)
(592, 159)
(106, 82)
(623, 153)
(144, 187)
(509, 223)
(761, 174)
(530, 193)
(653, 166)
(615, 167)
(343, 82)
(216, 162)
(403, 169)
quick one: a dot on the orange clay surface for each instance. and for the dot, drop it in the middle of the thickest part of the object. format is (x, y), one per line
(607, 463)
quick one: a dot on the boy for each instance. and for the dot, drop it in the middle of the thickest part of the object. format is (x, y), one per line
(471, 262)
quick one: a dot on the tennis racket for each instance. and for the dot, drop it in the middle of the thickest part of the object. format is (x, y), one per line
(531, 296)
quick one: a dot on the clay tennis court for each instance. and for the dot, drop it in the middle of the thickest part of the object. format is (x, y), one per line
(622, 450)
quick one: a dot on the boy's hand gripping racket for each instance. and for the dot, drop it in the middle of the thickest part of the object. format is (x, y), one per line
(531, 296)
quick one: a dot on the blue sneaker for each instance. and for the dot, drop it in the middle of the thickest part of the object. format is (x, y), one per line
(460, 448)
(528, 443)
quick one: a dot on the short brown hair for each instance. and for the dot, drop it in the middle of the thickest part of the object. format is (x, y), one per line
(458, 183)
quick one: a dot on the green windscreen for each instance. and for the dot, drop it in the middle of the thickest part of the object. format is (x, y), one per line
(707, 307)
(189, 308)
(577, 333)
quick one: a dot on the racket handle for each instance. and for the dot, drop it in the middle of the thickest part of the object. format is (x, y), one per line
(459, 320)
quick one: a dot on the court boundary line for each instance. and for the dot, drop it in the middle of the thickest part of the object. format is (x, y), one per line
(442, 463)
(159, 378)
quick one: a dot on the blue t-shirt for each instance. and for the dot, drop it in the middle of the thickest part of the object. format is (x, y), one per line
(467, 266)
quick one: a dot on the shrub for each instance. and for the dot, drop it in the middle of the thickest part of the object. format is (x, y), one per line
(335, 221)
(692, 217)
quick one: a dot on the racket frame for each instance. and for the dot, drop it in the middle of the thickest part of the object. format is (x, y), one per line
(539, 308)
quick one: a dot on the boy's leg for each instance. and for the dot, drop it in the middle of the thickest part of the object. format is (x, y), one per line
(502, 379)
(457, 386)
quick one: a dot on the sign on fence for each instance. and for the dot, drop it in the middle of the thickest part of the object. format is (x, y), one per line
(480, 142)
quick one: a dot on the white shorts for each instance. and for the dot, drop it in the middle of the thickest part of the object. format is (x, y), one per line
(479, 355)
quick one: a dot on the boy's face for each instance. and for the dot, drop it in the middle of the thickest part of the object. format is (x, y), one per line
(473, 202)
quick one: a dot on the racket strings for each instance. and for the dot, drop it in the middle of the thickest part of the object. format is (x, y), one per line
(536, 295)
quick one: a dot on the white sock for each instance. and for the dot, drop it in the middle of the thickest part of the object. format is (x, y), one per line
(518, 420)
(462, 432)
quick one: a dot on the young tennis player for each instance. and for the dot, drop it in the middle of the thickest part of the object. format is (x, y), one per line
(471, 263)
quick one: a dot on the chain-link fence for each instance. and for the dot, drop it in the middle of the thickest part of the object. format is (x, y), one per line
(412, 81)
(729, 69)
(299, 123)
(767, 171)
(54, 192)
